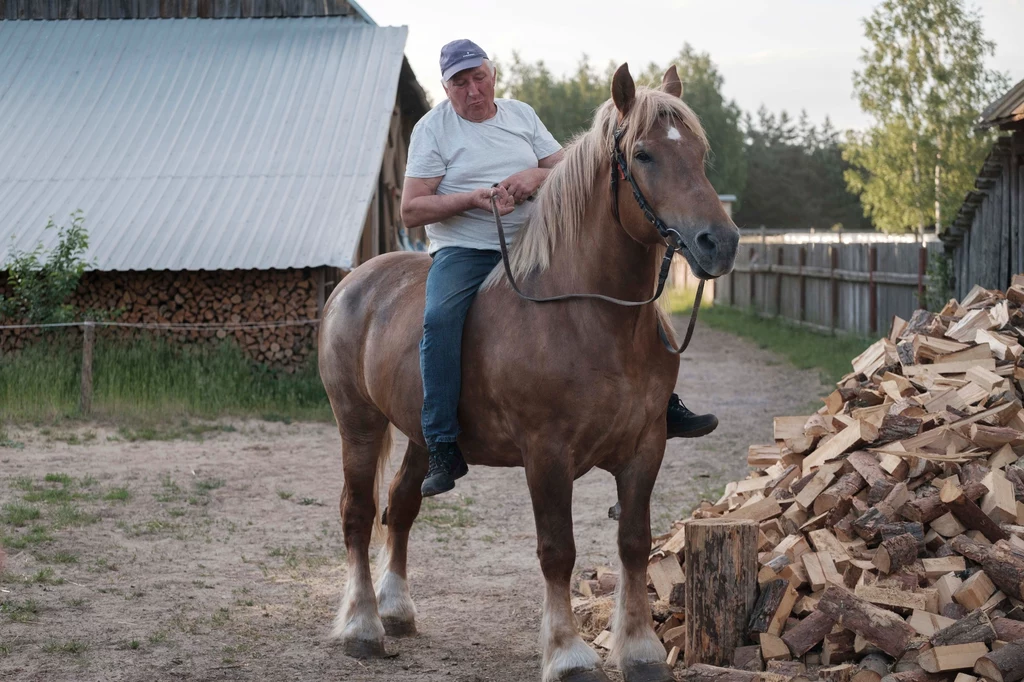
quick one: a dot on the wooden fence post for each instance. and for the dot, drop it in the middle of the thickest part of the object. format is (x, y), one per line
(922, 266)
(872, 290)
(753, 278)
(833, 256)
(721, 587)
(85, 396)
(778, 280)
(803, 284)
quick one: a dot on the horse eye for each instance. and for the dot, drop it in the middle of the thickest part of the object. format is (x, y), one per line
(643, 157)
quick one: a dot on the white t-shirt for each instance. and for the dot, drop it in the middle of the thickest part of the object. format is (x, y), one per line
(473, 155)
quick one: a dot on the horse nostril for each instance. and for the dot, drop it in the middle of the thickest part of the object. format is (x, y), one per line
(707, 243)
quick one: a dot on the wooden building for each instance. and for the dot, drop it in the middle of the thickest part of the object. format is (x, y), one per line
(986, 239)
(232, 158)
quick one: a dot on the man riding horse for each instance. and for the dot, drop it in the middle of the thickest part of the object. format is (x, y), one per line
(457, 151)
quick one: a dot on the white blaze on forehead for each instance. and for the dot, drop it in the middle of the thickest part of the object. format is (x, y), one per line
(673, 134)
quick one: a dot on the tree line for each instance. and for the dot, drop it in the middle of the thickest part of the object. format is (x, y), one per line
(922, 81)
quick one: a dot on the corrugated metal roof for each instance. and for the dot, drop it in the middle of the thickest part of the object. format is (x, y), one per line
(1006, 109)
(196, 144)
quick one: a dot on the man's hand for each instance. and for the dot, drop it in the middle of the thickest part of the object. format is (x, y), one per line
(523, 184)
(482, 199)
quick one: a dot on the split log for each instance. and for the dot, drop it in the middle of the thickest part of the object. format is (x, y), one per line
(721, 586)
(773, 607)
(898, 427)
(838, 647)
(1008, 630)
(895, 553)
(954, 657)
(976, 627)
(700, 672)
(872, 668)
(1002, 566)
(748, 658)
(968, 512)
(1003, 665)
(882, 628)
(847, 486)
(808, 633)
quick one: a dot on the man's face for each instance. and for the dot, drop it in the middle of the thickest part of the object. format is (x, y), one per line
(472, 93)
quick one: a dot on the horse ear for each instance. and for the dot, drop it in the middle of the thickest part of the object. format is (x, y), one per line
(623, 89)
(670, 82)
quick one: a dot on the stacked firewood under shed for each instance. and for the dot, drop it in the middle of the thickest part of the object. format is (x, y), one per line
(889, 525)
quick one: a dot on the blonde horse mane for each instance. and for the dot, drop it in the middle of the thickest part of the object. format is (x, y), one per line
(562, 201)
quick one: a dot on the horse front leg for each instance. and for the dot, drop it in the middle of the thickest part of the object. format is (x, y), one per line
(566, 657)
(636, 649)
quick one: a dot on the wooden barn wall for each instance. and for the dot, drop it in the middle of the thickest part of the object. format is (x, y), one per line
(212, 297)
(831, 287)
(169, 9)
(991, 251)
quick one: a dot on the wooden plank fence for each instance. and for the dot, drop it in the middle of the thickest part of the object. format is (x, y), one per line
(851, 286)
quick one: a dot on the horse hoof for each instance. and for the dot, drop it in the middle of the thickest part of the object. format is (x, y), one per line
(594, 675)
(396, 627)
(364, 648)
(648, 672)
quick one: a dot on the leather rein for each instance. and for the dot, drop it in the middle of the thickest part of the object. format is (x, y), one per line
(672, 239)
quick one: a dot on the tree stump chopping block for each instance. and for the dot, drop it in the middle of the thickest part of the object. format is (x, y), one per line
(721, 587)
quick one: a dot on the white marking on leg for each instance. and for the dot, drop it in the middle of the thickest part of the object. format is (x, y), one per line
(357, 617)
(564, 650)
(633, 638)
(393, 598)
(673, 134)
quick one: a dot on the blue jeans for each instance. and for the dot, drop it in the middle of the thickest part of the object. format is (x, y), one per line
(455, 276)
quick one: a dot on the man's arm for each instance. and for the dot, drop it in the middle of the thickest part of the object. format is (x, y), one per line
(422, 205)
(523, 184)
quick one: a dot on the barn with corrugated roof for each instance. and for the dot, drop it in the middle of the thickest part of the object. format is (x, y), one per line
(232, 160)
(986, 239)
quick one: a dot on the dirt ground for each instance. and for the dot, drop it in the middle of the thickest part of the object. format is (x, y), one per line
(217, 554)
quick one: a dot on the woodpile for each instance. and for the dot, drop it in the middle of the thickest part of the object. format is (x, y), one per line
(890, 523)
(202, 297)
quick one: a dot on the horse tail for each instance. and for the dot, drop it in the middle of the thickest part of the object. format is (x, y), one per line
(383, 457)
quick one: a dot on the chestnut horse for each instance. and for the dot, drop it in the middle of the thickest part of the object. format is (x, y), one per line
(557, 388)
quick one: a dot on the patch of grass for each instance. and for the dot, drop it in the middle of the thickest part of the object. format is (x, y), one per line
(118, 495)
(46, 576)
(311, 501)
(446, 514)
(221, 616)
(5, 650)
(36, 535)
(158, 637)
(285, 494)
(64, 479)
(70, 515)
(72, 647)
(208, 484)
(59, 557)
(275, 417)
(806, 349)
(18, 514)
(20, 612)
(150, 378)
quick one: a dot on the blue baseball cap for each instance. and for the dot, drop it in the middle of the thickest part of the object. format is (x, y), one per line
(460, 55)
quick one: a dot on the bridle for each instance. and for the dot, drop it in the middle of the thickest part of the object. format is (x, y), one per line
(673, 241)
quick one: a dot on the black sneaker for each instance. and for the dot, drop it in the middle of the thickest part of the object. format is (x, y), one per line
(682, 423)
(446, 464)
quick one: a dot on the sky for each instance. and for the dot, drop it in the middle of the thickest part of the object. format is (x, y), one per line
(784, 54)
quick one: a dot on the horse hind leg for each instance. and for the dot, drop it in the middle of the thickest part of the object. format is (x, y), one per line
(366, 444)
(394, 602)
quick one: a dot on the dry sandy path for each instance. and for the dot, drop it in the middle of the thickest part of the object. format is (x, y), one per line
(227, 560)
